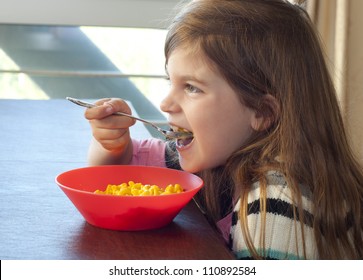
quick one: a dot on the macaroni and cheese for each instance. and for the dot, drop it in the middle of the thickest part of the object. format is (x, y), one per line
(138, 189)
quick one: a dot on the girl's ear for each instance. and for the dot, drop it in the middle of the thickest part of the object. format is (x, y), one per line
(267, 113)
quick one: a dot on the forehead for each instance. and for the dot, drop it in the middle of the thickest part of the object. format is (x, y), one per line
(190, 58)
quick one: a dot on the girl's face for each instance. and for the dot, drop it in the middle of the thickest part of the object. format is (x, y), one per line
(201, 101)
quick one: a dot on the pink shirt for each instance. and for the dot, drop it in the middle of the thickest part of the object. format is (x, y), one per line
(149, 152)
(224, 226)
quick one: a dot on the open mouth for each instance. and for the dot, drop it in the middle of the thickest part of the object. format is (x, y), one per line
(183, 142)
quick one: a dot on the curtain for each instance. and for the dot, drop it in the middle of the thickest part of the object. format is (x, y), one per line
(340, 25)
(331, 20)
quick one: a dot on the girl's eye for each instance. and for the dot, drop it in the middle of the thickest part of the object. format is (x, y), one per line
(192, 89)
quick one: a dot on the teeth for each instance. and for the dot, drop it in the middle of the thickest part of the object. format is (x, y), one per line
(182, 130)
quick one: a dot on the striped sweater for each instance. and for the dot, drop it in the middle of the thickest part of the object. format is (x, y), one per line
(283, 237)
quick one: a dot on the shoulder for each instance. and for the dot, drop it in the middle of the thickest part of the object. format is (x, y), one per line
(283, 235)
(279, 199)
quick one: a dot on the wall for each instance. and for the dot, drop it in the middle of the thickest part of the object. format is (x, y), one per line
(129, 13)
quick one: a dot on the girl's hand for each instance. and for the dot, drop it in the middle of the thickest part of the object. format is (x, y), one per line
(110, 131)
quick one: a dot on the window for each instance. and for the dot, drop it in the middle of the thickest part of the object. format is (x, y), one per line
(48, 53)
(40, 62)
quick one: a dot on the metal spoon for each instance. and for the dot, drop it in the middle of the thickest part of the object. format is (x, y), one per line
(166, 133)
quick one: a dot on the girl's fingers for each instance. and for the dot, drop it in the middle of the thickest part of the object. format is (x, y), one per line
(112, 122)
(106, 107)
(109, 134)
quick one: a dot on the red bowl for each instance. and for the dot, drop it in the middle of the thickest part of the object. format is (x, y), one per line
(129, 213)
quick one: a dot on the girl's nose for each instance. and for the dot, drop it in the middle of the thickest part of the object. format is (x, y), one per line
(168, 104)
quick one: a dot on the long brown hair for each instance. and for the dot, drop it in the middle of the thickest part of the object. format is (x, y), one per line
(270, 47)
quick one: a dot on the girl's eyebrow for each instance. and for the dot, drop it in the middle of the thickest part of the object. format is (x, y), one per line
(188, 78)
(193, 78)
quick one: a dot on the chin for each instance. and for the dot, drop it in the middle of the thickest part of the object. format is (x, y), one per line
(194, 167)
(190, 167)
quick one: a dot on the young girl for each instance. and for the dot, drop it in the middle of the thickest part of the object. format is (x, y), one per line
(248, 79)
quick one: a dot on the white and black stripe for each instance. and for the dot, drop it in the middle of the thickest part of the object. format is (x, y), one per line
(283, 236)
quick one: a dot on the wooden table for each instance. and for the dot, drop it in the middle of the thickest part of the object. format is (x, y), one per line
(39, 140)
